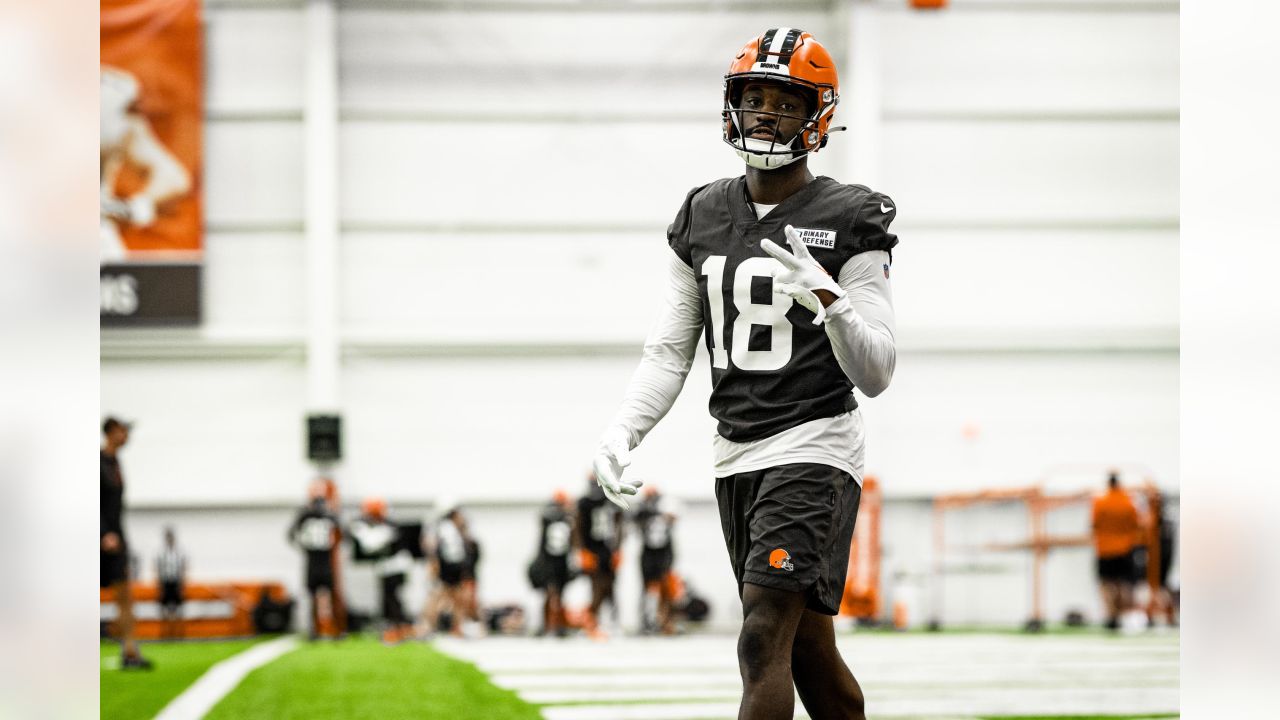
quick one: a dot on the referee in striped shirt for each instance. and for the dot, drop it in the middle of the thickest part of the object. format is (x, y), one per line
(171, 568)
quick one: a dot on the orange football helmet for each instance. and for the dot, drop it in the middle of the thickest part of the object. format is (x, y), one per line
(374, 507)
(795, 58)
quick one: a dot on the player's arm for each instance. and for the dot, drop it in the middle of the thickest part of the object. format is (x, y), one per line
(856, 310)
(861, 324)
(656, 383)
(291, 536)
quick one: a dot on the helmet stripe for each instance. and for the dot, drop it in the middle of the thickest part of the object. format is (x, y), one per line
(765, 43)
(779, 43)
(789, 45)
(779, 37)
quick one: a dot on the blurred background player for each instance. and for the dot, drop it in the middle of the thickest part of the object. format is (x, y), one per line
(470, 592)
(315, 531)
(1163, 602)
(655, 519)
(171, 569)
(379, 538)
(1116, 532)
(446, 550)
(127, 138)
(113, 548)
(599, 533)
(551, 565)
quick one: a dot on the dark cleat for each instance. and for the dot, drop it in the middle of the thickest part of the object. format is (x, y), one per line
(135, 662)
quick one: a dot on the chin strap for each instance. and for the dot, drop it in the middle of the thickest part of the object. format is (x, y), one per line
(763, 155)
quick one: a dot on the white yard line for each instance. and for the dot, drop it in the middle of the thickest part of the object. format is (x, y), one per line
(906, 676)
(222, 678)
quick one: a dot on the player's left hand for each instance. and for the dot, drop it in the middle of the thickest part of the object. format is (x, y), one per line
(800, 275)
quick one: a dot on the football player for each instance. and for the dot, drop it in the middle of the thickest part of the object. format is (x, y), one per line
(599, 535)
(114, 548)
(379, 538)
(655, 520)
(447, 553)
(554, 543)
(315, 530)
(785, 276)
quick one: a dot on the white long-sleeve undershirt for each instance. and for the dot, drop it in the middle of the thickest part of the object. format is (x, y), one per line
(859, 326)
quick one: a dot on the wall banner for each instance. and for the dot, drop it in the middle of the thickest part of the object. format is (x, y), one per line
(150, 162)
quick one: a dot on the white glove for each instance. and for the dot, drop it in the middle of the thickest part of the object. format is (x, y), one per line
(613, 456)
(800, 275)
(142, 210)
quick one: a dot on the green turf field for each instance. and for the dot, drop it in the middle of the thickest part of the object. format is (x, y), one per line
(362, 678)
(136, 695)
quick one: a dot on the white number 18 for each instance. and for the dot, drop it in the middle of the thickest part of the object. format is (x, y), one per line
(772, 315)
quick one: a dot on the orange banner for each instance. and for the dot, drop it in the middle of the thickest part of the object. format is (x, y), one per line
(152, 119)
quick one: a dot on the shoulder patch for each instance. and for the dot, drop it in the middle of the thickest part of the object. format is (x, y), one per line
(817, 237)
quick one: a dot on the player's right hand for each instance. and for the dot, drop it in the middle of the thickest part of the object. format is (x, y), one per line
(615, 455)
(111, 542)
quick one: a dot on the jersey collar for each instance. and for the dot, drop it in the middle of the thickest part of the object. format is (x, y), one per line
(744, 215)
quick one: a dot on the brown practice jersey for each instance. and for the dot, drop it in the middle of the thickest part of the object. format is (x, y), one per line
(772, 368)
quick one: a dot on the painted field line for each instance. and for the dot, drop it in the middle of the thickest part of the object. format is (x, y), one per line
(222, 678)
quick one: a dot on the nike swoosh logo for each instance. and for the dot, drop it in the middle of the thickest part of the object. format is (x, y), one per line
(884, 208)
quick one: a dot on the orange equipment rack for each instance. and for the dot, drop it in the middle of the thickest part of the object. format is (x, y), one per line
(861, 597)
(1038, 504)
(241, 597)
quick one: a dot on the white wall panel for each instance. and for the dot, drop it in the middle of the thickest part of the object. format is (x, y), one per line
(216, 430)
(605, 174)
(254, 60)
(954, 423)
(1030, 62)
(253, 173)
(1033, 173)
(506, 427)
(562, 62)
(552, 287)
(254, 282)
(607, 288)
(531, 175)
(1035, 281)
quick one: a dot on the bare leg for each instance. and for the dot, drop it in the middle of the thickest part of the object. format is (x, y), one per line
(457, 608)
(1110, 600)
(826, 686)
(324, 609)
(554, 613)
(597, 593)
(125, 623)
(666, 619)
(1126, 596)
(770, 619)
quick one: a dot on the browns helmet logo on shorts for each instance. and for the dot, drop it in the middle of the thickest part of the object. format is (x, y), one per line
(781, 559)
